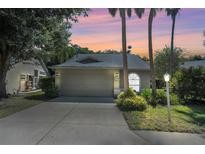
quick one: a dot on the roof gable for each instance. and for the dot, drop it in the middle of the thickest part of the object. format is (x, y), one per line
(195, 63)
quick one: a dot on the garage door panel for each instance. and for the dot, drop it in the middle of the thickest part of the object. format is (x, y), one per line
(87, 83)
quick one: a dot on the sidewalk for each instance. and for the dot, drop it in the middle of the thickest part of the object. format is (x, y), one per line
(171, 138)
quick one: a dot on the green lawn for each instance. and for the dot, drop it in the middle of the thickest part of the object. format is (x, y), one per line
(184, 119)
(14, 104)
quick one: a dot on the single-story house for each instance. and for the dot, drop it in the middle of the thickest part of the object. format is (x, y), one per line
(100, 75)
(194, 63)
(24, 76)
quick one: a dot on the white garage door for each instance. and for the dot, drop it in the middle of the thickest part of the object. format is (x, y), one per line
(87, 83)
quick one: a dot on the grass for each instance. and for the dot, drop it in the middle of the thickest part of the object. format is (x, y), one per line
(190, 119)
(15, 104)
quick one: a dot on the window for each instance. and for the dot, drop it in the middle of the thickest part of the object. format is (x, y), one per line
(134, 81)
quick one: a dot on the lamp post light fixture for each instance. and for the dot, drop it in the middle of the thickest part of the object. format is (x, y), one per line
(167, 78)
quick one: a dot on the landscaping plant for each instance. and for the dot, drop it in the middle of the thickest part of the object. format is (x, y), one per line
(48, 86)
(160, 98)
(189, 85)
(129, 101)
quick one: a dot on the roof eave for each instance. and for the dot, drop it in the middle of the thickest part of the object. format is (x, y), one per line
(88, 67)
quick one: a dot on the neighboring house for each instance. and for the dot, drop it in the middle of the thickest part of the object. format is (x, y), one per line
(100, 75)
(195, 63)
(24, 76)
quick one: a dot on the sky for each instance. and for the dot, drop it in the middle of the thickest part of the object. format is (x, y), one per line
(101, 31)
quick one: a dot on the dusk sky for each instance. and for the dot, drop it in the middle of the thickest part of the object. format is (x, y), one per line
(100, 31)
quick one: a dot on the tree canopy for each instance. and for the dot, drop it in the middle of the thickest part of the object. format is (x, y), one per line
(23, 31)
(162, 60)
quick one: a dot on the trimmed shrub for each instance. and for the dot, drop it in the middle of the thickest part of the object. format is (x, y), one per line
(129, 101)
(48, 86)
(129, 93)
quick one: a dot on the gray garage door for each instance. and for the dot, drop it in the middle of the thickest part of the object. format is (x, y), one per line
(87, 83)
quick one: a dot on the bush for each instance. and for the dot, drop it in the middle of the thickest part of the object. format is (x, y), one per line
(48, 86)
(160, 98)
(147, 94)
(175, 99)
(129, 101)
(128, 94)
(189, 84)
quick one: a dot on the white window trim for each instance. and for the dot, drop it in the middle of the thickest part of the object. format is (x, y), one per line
(135, 84)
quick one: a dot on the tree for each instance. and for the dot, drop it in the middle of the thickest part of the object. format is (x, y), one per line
(152, 14)
(23, 30)
(81, 50)
(161, 60)
(123, 13)
(173, 13)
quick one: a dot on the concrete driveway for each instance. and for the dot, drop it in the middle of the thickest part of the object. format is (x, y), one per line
(81, 123)
(68, 123)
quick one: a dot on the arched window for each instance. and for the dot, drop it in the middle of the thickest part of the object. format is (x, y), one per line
(134, 81)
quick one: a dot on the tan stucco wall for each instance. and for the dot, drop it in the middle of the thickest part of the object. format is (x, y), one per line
(66, 85)
(144, 78)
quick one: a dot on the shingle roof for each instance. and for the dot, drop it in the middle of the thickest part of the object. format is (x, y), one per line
(104, 61)
(195, 63)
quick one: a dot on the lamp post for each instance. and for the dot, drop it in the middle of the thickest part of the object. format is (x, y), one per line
(167, 78)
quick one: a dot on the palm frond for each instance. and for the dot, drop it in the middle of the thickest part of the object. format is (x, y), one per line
(139, 12)
(129, 12)
(155, 10)
(112, 11)
(122, 12)
(172, 12)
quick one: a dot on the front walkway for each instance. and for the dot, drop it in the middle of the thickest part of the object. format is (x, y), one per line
(80, 123)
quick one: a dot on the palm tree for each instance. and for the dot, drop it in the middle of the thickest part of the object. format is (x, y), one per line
(123, 11)
(113, 12)
(173, 13)
(152, 14)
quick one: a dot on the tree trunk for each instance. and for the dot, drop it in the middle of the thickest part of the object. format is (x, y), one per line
(172, 47)
(152, 72)
(2, 86)
(3, 71)
(124, 50)
(44, 66)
